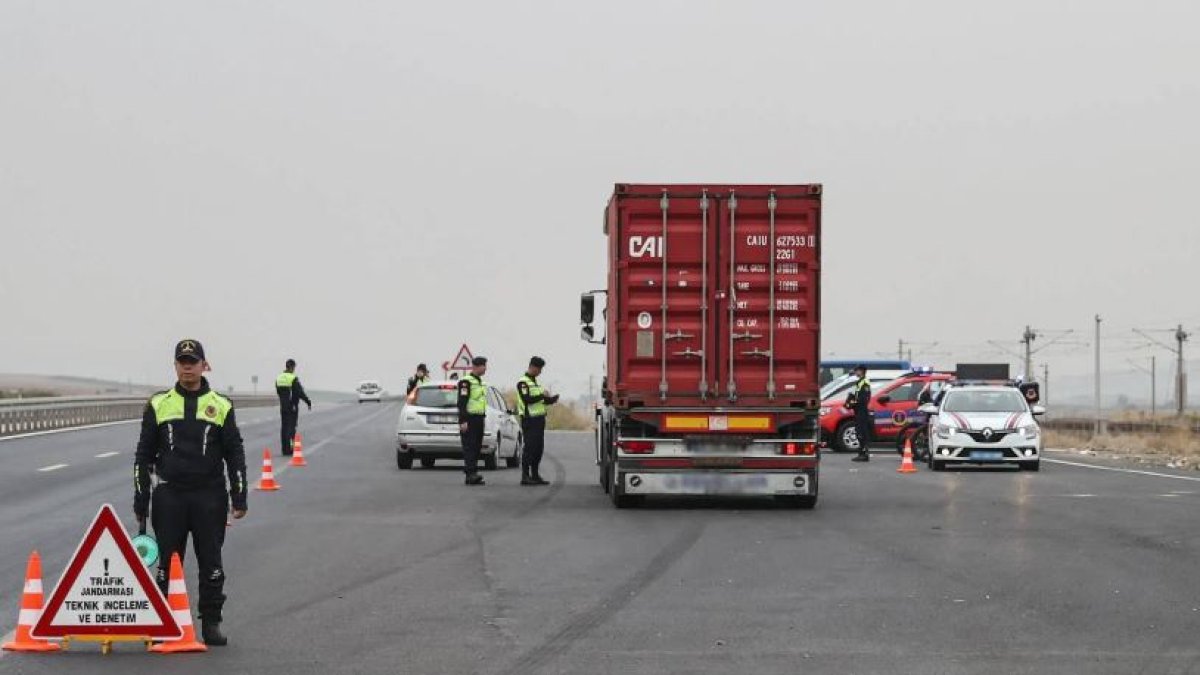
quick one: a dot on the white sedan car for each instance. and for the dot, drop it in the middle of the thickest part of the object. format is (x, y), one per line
(369, 390)
(984, 424)
(428, 429)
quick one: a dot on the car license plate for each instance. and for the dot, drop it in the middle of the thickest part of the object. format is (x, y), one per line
(717, 462)
(986, 455)
(442, 419)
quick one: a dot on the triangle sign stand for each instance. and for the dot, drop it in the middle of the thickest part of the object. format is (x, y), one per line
(462, 361)
(106, 594)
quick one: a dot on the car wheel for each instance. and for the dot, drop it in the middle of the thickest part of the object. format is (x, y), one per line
(1035, 465)
(845, 439)
(404, 460)
(489, 462)
(428, 462)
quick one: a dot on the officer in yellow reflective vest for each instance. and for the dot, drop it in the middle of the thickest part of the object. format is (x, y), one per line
(859, 400)
(290, 392)
(472, 417)
(190, 438)
(532, 404)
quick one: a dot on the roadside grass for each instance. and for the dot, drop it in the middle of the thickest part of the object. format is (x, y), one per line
(27, 393)
(560, 417)
(1174, 447)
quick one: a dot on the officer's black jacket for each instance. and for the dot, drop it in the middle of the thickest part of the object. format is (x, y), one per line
(190, 453)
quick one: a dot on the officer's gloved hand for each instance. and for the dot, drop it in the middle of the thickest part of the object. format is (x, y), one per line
(309, 404)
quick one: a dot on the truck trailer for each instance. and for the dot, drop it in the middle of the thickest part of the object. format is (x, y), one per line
(712, 323)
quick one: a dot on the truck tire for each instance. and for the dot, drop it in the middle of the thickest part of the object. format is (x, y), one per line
(404, 460)
(841, 437)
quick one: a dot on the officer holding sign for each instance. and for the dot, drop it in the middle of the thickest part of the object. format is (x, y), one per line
(190, 438)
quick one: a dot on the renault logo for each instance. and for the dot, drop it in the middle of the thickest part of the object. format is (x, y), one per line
(987, 434)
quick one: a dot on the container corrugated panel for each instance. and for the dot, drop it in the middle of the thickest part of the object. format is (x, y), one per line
(714, 295)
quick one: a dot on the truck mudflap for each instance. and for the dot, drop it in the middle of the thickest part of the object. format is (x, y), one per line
(732, 483)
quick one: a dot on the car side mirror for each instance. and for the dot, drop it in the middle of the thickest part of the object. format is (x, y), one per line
(928, 409)
(1038, 410)
(587, 334)
(884, 400)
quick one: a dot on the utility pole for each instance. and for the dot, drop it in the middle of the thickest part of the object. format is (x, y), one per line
(1154, 391)
(1099, 423)
(1028, 337)
(1181, 336)
(1046, 382)
(1180, 375)
(900, 351)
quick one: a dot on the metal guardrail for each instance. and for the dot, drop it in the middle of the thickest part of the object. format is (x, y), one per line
(23, 416)
(1087, 424)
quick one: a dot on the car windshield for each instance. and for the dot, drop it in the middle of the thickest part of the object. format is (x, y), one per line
(1009, 401)
(441, 396)
(841, 386)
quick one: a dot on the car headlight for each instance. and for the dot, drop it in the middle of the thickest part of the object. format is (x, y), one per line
(945, 430)
(826, 411)
(1030, 432)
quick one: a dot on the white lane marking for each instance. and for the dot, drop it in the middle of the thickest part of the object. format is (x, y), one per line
(1156, 474)
(107, 454)
(308, 452)
(52, 467)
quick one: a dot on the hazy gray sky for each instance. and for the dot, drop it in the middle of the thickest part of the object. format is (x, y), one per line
(366, 185)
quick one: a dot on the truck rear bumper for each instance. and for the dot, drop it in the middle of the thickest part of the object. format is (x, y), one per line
(696, 482)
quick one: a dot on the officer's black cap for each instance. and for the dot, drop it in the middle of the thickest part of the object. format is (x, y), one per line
(479, 361)
(537, 362)
(290, 363)
(421, 367)
(861, 367)
(189, 349)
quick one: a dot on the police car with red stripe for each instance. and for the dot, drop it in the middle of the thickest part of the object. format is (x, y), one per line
(982, 422)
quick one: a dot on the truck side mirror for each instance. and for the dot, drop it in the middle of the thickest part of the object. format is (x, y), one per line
(587, 309)
(928, 409)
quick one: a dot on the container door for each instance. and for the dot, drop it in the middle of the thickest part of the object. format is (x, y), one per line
(768, 280)
(667, 252)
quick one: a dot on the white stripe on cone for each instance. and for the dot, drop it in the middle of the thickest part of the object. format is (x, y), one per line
(183, 617)
(33, 586)
(28, 617)
(176, 587)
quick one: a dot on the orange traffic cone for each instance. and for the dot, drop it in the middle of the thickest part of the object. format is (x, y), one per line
(906, 464)
(298, 452)
(181, 609)
(31, 609)
(267, 484)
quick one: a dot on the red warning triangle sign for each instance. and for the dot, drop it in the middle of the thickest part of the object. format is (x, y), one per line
(463, 360)
(106, 590)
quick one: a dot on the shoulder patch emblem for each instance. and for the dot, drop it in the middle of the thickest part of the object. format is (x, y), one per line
(210, 411)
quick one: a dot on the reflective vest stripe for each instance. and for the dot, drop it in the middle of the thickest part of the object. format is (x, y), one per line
(477, 399)
(537, 409)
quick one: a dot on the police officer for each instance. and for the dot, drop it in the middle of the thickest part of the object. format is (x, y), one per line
(420, 378)
(190, 438)
(291, 392)
(472, 414)
(859, 400)
(532, 402)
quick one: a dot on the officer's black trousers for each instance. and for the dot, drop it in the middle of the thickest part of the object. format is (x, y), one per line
(534, 429)
(177, 512)
(472, 443)
(287, 429)
(864, 426)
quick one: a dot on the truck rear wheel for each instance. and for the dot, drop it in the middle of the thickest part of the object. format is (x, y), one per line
(620, 499)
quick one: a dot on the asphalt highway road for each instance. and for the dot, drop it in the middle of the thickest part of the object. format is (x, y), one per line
(356, 567)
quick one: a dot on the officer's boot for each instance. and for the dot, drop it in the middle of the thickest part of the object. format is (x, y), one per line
(474, 479)
(862, 456)
(211, 632)
(536, 477)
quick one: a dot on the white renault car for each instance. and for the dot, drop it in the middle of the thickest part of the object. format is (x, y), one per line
(984, 424)
(428, 429)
